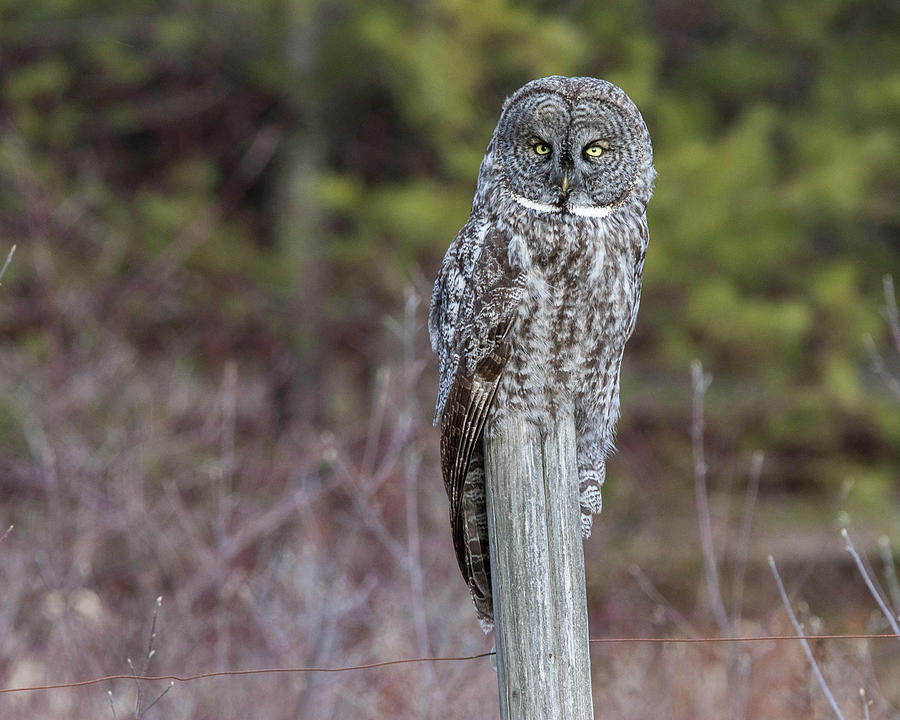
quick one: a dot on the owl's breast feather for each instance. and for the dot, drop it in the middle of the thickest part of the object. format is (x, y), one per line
(571, 327)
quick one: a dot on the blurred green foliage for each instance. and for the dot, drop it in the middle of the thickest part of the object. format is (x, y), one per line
(263, 178)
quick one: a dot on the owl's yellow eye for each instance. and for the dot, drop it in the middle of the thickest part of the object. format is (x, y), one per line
(596, 148)
(541, 148)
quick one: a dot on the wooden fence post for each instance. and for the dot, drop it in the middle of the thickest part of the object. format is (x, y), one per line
(537, 571)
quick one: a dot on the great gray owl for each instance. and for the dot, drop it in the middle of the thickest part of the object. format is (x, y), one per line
(539, 292)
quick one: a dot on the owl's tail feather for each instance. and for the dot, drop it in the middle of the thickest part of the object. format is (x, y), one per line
(477, 569)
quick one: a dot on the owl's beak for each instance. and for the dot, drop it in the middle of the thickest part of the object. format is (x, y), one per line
(565, 183)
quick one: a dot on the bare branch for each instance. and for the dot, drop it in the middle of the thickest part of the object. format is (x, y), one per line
(701, 383)
(137, 684)
(650, 590)
(151, 651)
(8, 259)
(740, 563)
(376, 422)
(891, 315)
(892, 620)
(112, 705)
(224, 503)
(893, 384)
(411, 465)
(159, 697)
(739, 677)
(815, 666)
(890, 572)
(890, 309)
(865, 703)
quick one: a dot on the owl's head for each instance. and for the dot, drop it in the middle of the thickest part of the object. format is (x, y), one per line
(573, 145)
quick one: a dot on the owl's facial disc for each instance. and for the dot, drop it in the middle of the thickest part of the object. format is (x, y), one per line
(563, 155)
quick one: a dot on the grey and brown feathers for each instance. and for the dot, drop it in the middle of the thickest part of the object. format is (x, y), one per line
(538, 293)
(482, 292)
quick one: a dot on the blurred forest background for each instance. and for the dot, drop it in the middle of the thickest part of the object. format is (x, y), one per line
(216, 385)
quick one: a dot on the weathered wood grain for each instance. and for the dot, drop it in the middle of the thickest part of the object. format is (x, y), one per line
(537, 566)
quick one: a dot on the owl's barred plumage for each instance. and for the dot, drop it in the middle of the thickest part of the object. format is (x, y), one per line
(539, 292)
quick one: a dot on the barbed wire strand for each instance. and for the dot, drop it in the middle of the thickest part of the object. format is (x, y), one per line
(406, 661)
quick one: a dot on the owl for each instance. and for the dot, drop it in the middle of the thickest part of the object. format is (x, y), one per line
(539, 291)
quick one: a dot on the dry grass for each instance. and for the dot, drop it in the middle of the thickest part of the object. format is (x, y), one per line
(294, 544)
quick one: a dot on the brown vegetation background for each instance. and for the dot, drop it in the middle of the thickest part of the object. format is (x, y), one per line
(216, 386)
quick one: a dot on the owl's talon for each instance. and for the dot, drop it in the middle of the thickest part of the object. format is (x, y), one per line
(587, 522)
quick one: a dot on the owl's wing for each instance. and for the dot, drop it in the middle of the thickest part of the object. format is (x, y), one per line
(475, 302)
(462, 423)
(640, 251)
